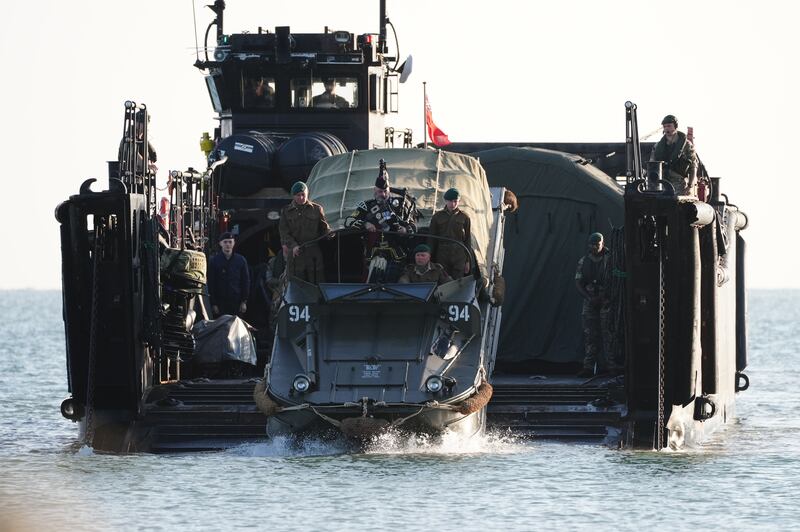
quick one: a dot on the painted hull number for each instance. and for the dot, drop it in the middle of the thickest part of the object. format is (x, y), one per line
(458, 313)
(299, 313)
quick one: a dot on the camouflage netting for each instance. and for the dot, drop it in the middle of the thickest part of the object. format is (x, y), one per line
(562, 201)
(338, 183)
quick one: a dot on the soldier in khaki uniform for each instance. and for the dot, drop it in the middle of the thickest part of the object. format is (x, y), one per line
(303, 221)
(423, 270)
(451, 222)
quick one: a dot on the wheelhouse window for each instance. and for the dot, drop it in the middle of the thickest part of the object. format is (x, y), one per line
(258, 92)
(325, 93)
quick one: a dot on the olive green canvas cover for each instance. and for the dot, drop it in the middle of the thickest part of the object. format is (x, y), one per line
(338, 183)
(562, 200)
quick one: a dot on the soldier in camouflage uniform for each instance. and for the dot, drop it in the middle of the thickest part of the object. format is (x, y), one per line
(676, 150)
(451, 222)
(592, 279)
(423, 270)
(303, 221)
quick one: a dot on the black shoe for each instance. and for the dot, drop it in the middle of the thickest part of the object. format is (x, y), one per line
(585, 373)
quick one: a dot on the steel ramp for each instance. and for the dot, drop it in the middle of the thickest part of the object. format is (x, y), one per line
(557, 407)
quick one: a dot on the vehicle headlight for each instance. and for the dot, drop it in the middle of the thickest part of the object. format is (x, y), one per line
(434, 383)
(301, 383)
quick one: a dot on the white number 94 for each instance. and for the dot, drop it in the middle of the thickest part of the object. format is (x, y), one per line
(457, 312)
(297, 313)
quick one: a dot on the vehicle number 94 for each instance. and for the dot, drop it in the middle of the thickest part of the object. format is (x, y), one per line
(458, 312)
(298, 313)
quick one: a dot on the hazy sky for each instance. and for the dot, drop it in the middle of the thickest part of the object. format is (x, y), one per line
(496, 70)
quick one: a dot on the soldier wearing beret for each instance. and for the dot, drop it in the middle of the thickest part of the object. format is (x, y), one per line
(592, 279)
(228, 279)
(676, 150)
(303, 221)
(423, 270)
(452, 223)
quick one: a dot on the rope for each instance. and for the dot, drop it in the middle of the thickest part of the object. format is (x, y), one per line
(347, 182)
(436, 188)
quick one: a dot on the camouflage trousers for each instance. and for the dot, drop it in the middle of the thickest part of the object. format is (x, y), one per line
(597, 337)
(308, 265)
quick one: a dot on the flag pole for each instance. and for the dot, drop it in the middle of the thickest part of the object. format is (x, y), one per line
(424, 114)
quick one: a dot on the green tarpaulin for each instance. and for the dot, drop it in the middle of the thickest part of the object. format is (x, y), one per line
(338, 183)
(562, 200)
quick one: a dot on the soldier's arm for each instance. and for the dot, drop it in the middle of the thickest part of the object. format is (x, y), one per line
(286, 236)
(579, 281)
(359, 215)
(691, 153)
(323, 228)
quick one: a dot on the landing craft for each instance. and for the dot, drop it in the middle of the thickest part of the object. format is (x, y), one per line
(149, 370)
(359, 355)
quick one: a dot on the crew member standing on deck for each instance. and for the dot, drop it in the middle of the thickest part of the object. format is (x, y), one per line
(124, 152)
(228, 279)
(679, 154)
(301, 222)
(592, 281)
(451, 222)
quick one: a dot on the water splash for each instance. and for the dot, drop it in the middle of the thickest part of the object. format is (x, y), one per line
(85, 450)
(447, 443)
(286, 446)
(389, 442)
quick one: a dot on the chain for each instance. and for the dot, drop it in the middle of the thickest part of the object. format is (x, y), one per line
(658, 434)
(99, 235)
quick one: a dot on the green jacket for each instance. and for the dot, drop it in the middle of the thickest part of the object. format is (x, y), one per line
(455, 225)
(434, 273)
(302, 223)
(680, 155)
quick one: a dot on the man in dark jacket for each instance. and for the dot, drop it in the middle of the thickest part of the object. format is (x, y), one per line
(676, 150)
(228, 279)
(453, 223)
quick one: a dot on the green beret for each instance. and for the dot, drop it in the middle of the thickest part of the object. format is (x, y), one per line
(299, 187)
(452, 194)
(594, 238)
(422, 248)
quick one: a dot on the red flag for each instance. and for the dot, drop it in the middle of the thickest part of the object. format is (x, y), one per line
(437, 136)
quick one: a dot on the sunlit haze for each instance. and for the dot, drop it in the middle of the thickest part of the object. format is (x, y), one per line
(496, 71)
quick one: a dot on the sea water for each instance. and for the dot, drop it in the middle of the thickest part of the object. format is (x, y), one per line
(747, 477)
